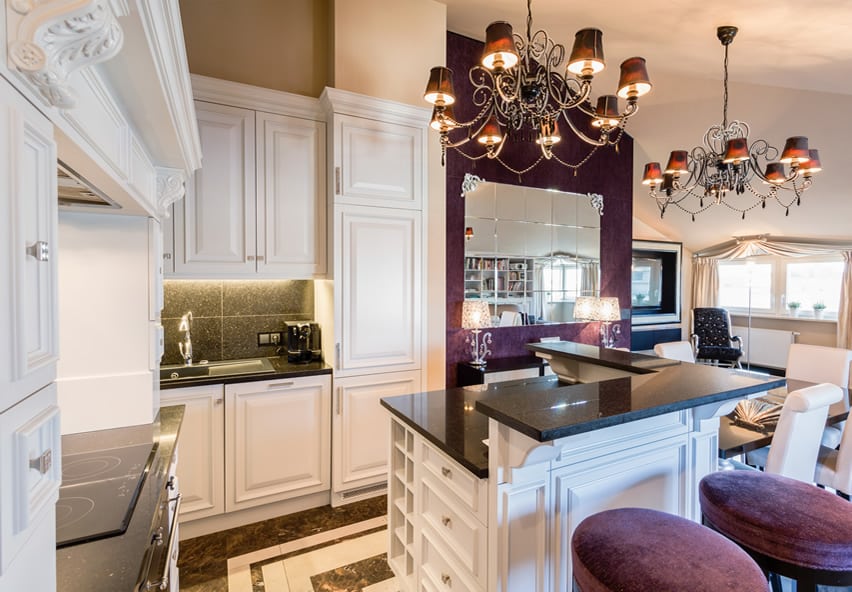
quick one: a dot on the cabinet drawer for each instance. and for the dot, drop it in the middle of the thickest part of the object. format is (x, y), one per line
(464, 536)
(470, 491)
(439, 569)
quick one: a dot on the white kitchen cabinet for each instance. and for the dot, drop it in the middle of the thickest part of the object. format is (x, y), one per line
(252, 443)
(215, 225)
(202, 449)
(360, 432)
(378, 163)
(28, 219)
(278, 440)
(378, 292)
(257, 207)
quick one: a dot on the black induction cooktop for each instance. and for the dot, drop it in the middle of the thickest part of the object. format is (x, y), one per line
(99, 492)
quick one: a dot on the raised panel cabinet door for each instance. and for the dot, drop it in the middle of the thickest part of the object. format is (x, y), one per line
(378, 163)
(28, 211)
(201, 470)
(215, 223)
(380, 297)
(361, 427)
(277, 440)
(291, 198)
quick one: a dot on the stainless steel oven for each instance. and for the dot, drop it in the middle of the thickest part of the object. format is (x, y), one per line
(159, 566)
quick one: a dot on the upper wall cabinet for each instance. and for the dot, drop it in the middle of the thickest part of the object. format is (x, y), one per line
(256, 208)
(377, 163)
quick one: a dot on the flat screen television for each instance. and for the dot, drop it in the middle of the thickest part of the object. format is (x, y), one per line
(655, 280)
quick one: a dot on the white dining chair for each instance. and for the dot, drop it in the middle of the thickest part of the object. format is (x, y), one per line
(817, 363)
(796, 440)
(675, 350)
(834, 467)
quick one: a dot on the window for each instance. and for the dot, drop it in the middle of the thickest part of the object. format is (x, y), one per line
(770, 283)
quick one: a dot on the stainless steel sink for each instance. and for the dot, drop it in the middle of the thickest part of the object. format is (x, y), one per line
(223, 368)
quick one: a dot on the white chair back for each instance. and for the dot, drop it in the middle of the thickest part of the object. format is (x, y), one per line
(675, 350)
(817, 363)
(843, 470)
(796, 441)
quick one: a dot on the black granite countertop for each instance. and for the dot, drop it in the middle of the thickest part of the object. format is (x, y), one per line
(456, 420)
(283, 369)
(113, 564)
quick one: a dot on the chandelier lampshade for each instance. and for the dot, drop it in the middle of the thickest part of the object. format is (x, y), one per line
(731, 169)
(525, 91)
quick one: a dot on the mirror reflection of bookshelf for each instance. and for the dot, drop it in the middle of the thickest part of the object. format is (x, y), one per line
(509, 279)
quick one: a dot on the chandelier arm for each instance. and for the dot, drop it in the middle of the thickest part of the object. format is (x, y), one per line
(580, 134)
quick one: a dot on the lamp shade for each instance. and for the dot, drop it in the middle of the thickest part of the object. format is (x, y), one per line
(606, 112)
(775, 173)
(737, 151)
(587, 57)
(499, 52)
(443, 119)
(795, 150)
(549, 133)
(812, 165)
(653, 175)
(490, 133)
(475, 314)
(608, 309)
(677, 163)
(634, 81)
(439, 90)
(584, 308)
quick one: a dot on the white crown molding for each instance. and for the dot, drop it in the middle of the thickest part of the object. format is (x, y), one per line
(51, 39)
(246, 96)
(171, 187)
(345, 102)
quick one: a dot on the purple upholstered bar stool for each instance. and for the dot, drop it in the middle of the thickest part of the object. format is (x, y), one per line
(789, 527)
(640, 550)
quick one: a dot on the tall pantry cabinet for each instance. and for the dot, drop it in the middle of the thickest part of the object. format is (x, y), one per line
(377, 188)
(29, 416)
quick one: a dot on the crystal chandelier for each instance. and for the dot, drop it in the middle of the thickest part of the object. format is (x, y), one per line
(522, 93)
(727, 169)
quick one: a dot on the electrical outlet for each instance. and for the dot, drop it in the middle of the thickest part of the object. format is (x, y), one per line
(263, 338)
(275, 338)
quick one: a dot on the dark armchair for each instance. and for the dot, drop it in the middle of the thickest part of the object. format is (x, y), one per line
(712, 339)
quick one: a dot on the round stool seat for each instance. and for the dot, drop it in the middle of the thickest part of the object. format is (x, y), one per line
(639, 550)
(788, 522)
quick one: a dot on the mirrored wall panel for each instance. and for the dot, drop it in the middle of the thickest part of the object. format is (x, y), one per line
(530, 252)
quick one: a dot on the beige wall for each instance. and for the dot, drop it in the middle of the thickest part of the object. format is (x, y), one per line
(278, 44)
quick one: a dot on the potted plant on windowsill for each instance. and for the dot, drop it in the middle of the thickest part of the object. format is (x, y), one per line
(794, 307)
(819, 309)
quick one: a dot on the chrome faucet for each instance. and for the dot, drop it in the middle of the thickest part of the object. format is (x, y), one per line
(185, 345)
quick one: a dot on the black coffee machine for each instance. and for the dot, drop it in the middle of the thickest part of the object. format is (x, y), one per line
(304, 343)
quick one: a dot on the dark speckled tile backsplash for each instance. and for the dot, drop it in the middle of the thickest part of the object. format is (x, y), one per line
(227, 315)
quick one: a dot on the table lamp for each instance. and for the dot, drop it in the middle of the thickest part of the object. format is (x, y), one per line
(475, 316)
(606, 311)
(584, 308)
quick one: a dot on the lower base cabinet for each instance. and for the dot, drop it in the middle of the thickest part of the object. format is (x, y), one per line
(248, 444)
(360, 432)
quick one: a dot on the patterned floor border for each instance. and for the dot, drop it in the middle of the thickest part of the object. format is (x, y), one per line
(289, 567)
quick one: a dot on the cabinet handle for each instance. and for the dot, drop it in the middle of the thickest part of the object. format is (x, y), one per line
(446, 521)
(447, 580)
(39, 251)
(339, 400)
(337, 350)
(43, 463)
(446, 472)
(170, 484)
(280, 384)
(260, 257)
(337, 180)
(220, 401)
(250, 258)
(167, 256)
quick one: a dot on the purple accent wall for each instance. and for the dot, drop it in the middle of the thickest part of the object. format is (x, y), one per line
(607, 172)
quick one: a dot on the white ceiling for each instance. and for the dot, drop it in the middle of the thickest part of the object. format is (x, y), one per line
(790, 68)
(788, 44)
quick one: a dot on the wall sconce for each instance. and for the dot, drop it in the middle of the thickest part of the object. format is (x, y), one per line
(475, 316)
(468, 233)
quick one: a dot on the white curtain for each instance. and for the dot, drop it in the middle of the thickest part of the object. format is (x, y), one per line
(844, 315)
(589, 282)
(705, 282)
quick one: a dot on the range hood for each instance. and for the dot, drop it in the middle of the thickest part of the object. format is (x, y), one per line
(74, 191)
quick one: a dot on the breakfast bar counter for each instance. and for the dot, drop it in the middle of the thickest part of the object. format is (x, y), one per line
(488, 482)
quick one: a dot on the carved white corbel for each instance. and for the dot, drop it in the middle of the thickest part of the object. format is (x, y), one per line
(171, 186)
(470, 183)
(597, 202)
(51, 39)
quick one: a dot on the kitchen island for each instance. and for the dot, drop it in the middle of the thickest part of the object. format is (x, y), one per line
(487, 483)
